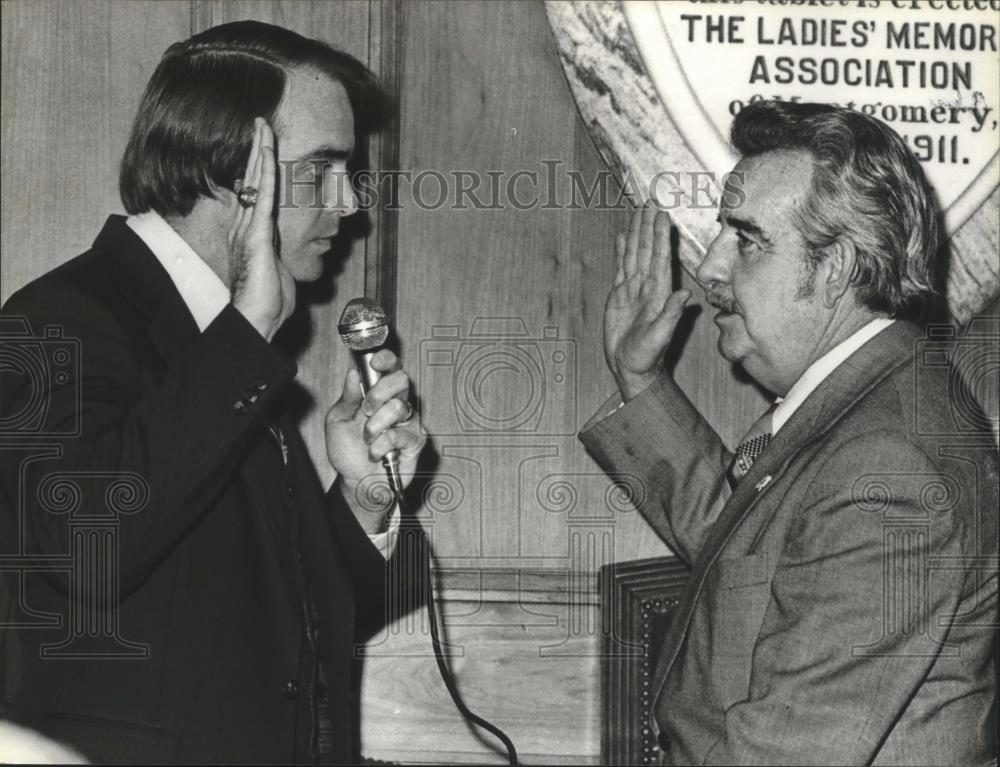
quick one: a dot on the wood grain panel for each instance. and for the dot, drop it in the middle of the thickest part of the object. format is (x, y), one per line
(482, 92)
(517, 663)
(342, 24)
(73, 74)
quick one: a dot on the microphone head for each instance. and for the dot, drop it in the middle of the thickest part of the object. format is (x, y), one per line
(363, 325)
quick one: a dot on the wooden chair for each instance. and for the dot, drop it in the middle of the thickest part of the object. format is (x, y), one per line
(637, 602)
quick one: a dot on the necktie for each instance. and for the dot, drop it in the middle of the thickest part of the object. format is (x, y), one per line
(752, 445)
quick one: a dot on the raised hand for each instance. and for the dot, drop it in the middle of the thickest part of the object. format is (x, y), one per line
(262, 287)
(641, 313)
(360, 430)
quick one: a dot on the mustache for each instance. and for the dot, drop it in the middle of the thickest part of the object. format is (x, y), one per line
(723, 300)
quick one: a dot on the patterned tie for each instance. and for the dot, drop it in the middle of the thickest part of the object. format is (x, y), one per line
(751, 446)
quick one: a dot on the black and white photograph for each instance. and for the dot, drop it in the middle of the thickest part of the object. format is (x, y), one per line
(556, 382)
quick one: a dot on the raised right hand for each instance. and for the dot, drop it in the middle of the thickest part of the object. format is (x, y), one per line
(262, 287)
(641, 313)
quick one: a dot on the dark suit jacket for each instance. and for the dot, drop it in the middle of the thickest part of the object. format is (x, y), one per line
(188, 579)
(842, 598)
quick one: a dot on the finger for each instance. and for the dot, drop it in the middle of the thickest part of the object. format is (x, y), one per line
(287, 291)
(396, 385)
(266, 180)
(673, 308)
(235, 224)
(347, 407)
(266, 140)
(655, 294)
(632, 244)
(633, 286)
(390, 414)
(405, 440)
(645, 248)
(260, 230)
(254, 156)
(241, 218)
(250, 175)
(257, 219)
(412, 442)
(385, 361)
(619, 259)
(659, 265)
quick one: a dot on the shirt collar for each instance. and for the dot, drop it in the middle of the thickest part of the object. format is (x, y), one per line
(816, 373)
(203, 293)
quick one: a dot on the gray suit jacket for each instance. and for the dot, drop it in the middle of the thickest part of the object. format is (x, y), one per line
(842, 599)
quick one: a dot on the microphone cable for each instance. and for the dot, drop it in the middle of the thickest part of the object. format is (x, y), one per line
(364, 329)
(446, 674)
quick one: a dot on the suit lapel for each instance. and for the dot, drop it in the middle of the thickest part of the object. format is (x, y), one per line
(819, 413)
(144, 282)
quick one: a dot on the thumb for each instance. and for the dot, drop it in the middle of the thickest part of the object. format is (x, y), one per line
(666, 321)
(287, 292)
(345, 408)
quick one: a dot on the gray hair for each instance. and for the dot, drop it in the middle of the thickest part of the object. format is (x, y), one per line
(867, 187)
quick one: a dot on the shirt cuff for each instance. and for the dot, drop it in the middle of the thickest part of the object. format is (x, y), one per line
(386, 542)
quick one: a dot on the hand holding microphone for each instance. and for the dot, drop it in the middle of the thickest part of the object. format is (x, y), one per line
(364, 329)
(373, 422)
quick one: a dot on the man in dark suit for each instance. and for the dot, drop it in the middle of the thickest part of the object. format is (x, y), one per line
(185, 589)
(842, 599)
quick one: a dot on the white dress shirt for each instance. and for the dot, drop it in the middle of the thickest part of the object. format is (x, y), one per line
(205, 295)
(818, 372)
(815, 374)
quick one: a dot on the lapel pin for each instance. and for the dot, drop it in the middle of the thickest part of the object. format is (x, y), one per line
(763, 483)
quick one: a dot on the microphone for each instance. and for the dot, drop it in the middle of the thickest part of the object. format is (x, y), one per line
(364, 329)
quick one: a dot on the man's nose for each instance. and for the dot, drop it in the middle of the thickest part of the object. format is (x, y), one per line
(342, 198)
(715, 266)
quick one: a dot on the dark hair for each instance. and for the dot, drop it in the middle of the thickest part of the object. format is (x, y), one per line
(194, 126)
(866, 187)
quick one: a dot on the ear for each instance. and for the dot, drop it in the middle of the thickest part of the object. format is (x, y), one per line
(224, 195)
(836, 270)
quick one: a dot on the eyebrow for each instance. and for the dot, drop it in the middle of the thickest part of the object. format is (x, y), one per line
(748, 225)
(326, 153)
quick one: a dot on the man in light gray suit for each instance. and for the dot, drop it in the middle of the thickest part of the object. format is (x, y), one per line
(842, 602)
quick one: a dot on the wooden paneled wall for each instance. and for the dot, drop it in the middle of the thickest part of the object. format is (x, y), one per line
(526, 650)
(72, 77)
(481, 97)
(73, 74)
(498, 313)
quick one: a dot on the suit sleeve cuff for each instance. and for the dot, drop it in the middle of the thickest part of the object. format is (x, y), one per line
(386, 542)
